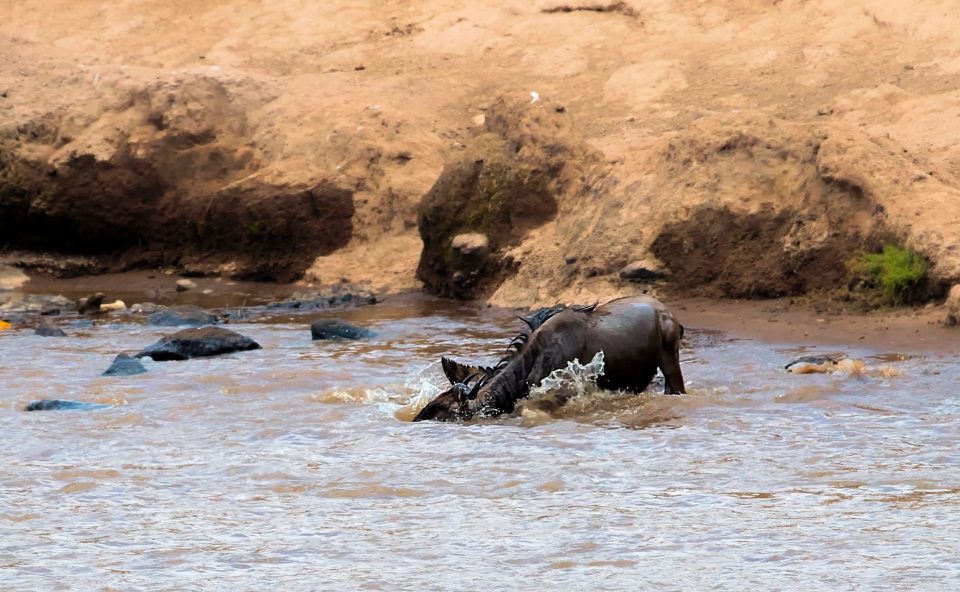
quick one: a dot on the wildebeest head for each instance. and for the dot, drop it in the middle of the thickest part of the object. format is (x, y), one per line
(452, 404)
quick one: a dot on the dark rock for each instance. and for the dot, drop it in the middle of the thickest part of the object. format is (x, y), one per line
(91, 304)
(182, 315)
(335, 297)
(644, 270)
(124, 365)
(238, 314)
(197, 343)
(146, 308)
(63, 405)
(46, 305)
(337, 329)
(49, 331)
(810, 364)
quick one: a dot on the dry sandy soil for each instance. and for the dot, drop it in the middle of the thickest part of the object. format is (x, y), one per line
(745, 147)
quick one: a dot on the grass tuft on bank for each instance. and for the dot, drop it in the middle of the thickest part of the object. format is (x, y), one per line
(897, 275)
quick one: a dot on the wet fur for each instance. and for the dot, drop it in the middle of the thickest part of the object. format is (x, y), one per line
(637, 335)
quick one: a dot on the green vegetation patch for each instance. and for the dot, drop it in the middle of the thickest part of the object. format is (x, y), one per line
(898, 274)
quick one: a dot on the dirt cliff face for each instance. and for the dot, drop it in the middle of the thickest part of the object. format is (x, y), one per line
(742, 149)
(505, 185)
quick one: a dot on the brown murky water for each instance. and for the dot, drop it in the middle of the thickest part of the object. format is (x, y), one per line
(292, 468)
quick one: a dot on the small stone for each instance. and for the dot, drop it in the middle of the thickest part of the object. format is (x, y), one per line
(185, 284)
(198, 343)
(570, 260)
(208, 291)
(49, 331)
(471, 244)
(815, 364)
(953, 306)
(182, 315)
(146, 308)
(337, 329)
(124, 365)
(479, 120)
(643, 270)
(91, 304)
(62, 405)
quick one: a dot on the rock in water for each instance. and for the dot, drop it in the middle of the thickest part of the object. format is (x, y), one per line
(336, 296)
(90, 305)
(182, 315)
(62, 405)
(337, 329)
(184, 285)
(820, 364)
(49, 331)
(197, 343)
(124, 365)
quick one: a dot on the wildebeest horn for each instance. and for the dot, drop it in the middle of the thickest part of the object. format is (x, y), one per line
(472, 393)
(456, 372)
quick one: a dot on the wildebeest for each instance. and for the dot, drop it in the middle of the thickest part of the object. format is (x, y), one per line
(637, 336)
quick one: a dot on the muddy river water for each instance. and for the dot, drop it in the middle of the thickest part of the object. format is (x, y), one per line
(295, 468)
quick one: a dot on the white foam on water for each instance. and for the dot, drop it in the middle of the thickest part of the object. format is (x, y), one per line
(562, 386)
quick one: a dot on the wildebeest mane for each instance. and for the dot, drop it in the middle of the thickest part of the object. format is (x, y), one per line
(533, 321)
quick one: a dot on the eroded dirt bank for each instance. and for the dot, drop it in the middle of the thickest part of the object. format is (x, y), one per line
(722, 149)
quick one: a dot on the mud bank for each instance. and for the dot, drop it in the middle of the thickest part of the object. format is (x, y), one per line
(709, 150)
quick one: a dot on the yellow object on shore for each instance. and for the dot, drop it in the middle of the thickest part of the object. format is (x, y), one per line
(4, 325)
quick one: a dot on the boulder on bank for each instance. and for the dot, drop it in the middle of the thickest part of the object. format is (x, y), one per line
(198, 343)
(62, 405)
(643, 270)
(336, 329)
(189, 314)
(124, 365)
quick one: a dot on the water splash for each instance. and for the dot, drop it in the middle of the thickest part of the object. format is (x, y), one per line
(562, 386)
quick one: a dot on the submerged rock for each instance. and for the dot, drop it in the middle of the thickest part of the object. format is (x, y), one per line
(146, 308)
(49, 331)
(325, 299)
(182, 315)
(43, 304)
(337, 329)
(63, 405)
(124, 365)
(815, 364)
(197, 343)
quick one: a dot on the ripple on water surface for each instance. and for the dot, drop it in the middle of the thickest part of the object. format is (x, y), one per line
(289, 465)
